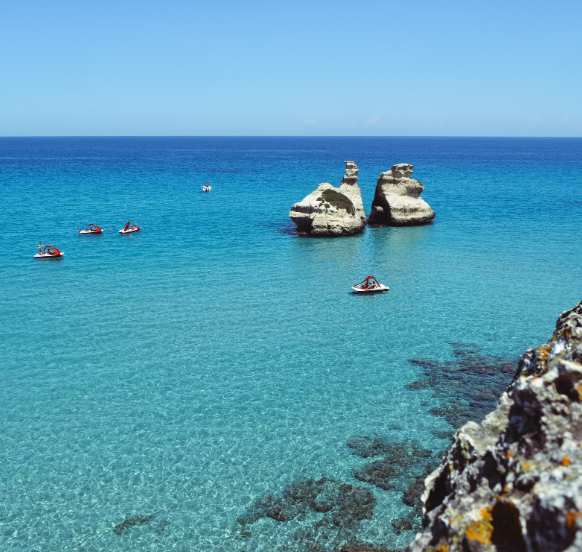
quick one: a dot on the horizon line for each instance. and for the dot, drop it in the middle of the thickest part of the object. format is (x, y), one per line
(279, 136)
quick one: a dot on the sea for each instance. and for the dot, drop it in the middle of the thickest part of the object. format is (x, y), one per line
(206, 383)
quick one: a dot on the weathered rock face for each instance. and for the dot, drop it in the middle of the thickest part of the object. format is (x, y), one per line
(330, 211)
(349, 187)
(397, 199)
(514, 482)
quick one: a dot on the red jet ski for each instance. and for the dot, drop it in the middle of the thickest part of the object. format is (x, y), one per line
(129, 228)
(370, 285)
(48, 252)
(91, 229)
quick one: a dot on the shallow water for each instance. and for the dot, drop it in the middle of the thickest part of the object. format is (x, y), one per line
(186, 370)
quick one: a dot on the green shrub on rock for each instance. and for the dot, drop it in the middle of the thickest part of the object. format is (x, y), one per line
(339, 201)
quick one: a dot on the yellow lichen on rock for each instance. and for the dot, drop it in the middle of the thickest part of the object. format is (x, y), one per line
(544, 352)
(481, 529)
(514, 481)
(571, 519)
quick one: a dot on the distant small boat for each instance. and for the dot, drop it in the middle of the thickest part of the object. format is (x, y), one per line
(91, 229)
(370, 285)
(48, 252)
(129, 228)
(206, 188)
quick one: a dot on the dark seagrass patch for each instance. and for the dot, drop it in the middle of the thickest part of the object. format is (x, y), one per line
(468, 386)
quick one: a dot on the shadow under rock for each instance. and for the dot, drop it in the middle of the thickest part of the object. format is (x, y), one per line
(287, 228)
(468, 386)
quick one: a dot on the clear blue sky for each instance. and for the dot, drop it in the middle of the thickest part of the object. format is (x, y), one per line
(173, 67)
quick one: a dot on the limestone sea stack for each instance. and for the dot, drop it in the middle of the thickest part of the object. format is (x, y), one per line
(397, 200)
(330, 211)
(514, 482)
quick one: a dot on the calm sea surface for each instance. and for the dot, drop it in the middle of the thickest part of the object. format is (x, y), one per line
(215, 356)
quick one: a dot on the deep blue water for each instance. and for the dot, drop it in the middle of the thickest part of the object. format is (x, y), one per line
(185, 370)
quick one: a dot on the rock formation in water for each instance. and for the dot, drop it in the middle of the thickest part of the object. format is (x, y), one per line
(514, 482)
(397, 200)
(330, 211)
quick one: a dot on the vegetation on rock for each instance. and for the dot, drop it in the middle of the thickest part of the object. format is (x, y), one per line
(338, 200)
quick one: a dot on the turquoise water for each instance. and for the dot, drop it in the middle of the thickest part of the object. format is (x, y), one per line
(186, 370)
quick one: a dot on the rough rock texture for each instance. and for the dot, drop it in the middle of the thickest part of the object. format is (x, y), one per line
(349, 187)
(330, 211)
(514, 482)
(397, 200)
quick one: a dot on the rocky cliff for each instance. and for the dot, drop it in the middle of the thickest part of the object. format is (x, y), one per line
(397, 199)
(514, 482)
(330, 211)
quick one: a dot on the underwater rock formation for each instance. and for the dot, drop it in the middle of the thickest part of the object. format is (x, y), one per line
(331, 512)
(345, 504)
(162, 526)
(514, 482)
(403, 467)
(122, 527)
(468, 387)
(330, 211)
(356, 547)
(350, 547)
(397, 200)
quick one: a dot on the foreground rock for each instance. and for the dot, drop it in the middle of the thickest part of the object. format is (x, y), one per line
(330, 211)
(514, 482)
(397, 200)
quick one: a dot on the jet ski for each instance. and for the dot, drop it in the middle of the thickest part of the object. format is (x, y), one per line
(206, 188)
(129, 228)
(370, 285)
(48, 252)
(91, 229)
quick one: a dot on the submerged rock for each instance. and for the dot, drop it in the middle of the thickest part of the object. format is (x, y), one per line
(366, 446)
(514, 482)
(122, 527)
(468, 386)
(162, 526)
(330, 211)
(404, 467)
(397, 200)
(345, 505)
(350, 547)
(356, 547)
